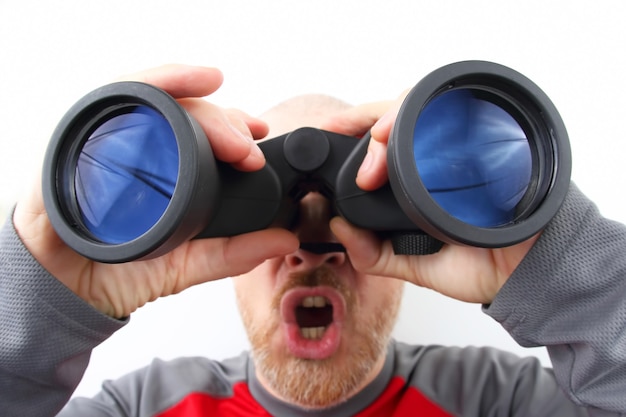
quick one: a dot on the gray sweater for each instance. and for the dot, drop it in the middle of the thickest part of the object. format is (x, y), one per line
(568, 294)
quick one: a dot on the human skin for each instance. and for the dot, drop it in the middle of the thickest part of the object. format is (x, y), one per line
(363, 284)
(119, 289)
(484, 271)
(231, 134)
(348, 351)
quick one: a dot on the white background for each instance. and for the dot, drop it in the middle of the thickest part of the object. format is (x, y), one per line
(51, 53)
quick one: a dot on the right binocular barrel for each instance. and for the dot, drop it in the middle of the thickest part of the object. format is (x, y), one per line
(479, 155)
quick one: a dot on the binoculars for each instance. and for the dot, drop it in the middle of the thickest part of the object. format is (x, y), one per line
(478, 156)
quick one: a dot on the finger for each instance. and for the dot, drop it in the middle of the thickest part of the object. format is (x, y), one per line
(362, 246)
(247, 124)
(370, 255)
(372, 173)
(229, 144)
(180, 80)
(208, 259)
(357, 120)
(462, 272)
(382, 128)
(378, 118)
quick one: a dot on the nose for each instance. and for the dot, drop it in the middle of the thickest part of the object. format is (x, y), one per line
(317, 244)
(304, 260)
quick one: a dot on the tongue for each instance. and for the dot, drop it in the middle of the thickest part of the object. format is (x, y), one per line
(314, 316)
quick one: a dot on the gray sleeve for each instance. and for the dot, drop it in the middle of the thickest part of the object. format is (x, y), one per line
(160, 386)
(46, 334)
(568, 294)
(484, 381)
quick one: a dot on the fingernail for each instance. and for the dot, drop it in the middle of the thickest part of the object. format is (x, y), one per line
(256, 151)
(366, 164)
(384, 119)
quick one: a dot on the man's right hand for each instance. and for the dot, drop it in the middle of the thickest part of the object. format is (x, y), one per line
(119, 289)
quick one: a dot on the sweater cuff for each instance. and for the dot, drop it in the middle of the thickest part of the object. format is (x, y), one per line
(530, 291)
(30, 289)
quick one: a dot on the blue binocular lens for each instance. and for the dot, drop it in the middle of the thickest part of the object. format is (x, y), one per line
(126, 166)
(478, 156)
(126, 174)
(473, 157)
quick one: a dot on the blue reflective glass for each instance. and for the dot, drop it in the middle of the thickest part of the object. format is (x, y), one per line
(473, 157)
(126, 174)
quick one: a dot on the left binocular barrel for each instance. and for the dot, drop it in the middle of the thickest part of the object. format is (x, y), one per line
(125, 166)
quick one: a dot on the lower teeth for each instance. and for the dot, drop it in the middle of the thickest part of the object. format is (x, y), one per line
(312, 332)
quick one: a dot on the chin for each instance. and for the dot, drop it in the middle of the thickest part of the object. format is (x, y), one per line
(320, 383)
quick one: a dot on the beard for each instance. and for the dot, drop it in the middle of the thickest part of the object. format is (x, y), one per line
(317, 384)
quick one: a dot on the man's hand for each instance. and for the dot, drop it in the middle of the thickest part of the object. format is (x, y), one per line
(465, 273)
(118, 290)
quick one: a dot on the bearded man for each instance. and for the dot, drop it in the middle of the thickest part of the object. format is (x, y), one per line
(319, 301)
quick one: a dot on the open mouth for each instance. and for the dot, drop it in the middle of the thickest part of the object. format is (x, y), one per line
(313, 319)
(313, 315)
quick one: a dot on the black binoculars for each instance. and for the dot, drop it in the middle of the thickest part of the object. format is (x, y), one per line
(478, 156)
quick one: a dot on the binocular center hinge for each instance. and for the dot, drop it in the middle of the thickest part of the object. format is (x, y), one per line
(306, 149)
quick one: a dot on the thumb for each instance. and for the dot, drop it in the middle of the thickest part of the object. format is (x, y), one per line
(209, 259)
(367, 253)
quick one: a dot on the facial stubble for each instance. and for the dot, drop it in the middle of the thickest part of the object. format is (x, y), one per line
(323, 383)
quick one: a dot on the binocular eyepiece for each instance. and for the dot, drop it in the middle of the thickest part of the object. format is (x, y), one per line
(478, 156)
